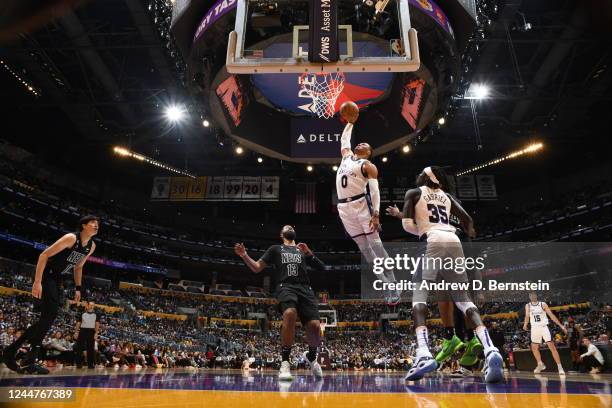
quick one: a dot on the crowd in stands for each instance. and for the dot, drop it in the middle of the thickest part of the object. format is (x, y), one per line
(130, 339)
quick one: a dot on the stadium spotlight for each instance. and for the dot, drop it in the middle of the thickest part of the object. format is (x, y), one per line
(384, 159)
(479, 91)
(406, 149)
(335, 168)
(239, 150)
(259, 160)
(441, 121)
(175, 113)
(205, 123)
(309, 168)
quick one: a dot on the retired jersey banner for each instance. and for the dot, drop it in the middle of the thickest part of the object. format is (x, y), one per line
(179, 187)
(215, 188)
(197, 188)
(466, 187)
(486, 188)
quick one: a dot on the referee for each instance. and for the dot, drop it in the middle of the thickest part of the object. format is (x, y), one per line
(87, 333)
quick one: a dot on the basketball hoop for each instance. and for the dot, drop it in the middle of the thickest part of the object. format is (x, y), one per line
(324, 89)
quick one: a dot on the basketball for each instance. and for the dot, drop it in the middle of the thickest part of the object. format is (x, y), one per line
(349, 111)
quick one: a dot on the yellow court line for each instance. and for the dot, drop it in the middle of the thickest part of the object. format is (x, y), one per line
(154, 398)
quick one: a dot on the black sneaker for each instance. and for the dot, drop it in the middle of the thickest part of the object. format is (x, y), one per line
(9, 360)
(34, 369)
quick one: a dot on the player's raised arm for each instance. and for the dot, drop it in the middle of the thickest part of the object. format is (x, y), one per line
(553, 317)
(345, 141)
(407, 215)
(372, 172)
(255, 266)
(349, 111)
(467, 223)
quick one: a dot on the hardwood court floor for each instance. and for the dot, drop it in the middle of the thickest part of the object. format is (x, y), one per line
(231, 388)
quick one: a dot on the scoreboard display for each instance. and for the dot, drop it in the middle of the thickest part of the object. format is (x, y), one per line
(215, 188)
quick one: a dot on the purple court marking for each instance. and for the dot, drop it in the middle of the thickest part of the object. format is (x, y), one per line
(342, 383)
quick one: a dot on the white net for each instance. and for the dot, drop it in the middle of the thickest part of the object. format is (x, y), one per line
(324, 90)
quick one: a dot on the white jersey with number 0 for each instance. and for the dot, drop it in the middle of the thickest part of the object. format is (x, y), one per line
(351, 178)
(537, 315)
(432, 211)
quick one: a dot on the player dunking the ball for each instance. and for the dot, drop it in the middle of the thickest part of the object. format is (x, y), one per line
(295, 296)
(426, 214)
(69, 253)
(359, 196)
(537, 313)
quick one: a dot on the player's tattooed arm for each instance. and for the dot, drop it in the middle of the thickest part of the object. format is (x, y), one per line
(467, 223)
(255, 266)
(553, 317)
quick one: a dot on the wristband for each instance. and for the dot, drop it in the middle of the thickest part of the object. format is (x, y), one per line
(77, 288)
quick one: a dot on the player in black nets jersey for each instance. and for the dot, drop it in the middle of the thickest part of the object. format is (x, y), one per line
(295, 296)
(69, 253)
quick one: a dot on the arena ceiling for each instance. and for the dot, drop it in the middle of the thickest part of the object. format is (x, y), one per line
(105, 71)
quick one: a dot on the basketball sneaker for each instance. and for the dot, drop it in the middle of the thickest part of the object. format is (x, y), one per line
(461, 372)
(449, 347)
(539, 368)
(424, 364)
(493, 367)
(284, 374)
(315, 367)
(473, 348)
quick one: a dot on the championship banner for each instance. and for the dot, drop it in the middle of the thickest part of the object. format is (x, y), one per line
(486, 188)
(466, 187)
(398, 195)
(323, 31)
(161, 188)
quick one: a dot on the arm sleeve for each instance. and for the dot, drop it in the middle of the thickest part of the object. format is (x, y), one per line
(374, 194)
(315, 263)
(345, 140)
